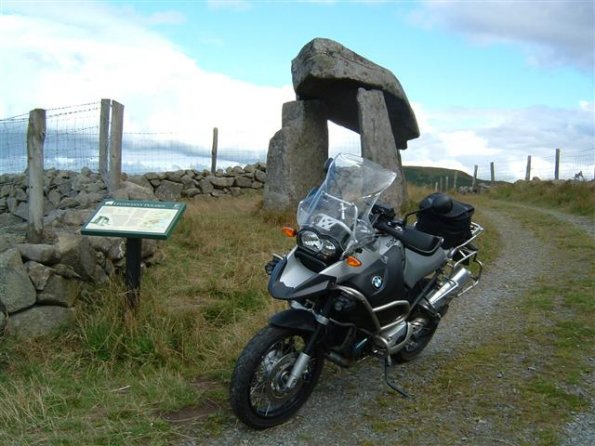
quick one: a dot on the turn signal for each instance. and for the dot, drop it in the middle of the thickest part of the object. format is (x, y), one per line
(289, 232)
(353, 261)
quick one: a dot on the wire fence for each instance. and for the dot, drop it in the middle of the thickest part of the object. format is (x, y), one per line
(71, 139)
(72, 142)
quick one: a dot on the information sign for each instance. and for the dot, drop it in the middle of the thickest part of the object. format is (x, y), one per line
(134, 219)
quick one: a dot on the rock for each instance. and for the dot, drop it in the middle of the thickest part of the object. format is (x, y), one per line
(89, 199)
(169, 190)
(76, 251)
(205, 186)
(7, 220)
(59, 291)
(378, 143)
(244, 182)
(221, 182)
(54, 197)
(68, 202)
(236, 191)
(22, 210)
(296, 155)
(326, 70)
(38, 273)
(131, 191)
(259, 175)
(38, 321)
(2, 322)
(176, 176)
(8, 241)
(192, 192)
(16, 290)
(41, 253)
(77, 218)
(65, 271)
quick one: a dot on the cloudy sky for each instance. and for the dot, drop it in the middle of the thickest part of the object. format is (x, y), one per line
(489, 81)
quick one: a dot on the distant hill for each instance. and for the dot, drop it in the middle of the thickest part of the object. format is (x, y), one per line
(429, 176)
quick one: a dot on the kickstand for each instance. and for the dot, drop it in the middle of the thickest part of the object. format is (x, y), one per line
(387, 364)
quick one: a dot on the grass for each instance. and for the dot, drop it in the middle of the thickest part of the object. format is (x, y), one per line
(524, 380)
(142, 378)
(116, 377)
(570, 196)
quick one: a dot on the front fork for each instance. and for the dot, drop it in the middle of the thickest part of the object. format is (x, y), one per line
(301, 363)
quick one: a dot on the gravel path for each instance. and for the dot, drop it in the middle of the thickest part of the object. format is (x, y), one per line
(341, 409)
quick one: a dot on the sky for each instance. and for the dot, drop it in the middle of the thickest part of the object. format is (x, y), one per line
(488, 80)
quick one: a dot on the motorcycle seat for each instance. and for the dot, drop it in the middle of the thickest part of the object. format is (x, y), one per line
(420, 242)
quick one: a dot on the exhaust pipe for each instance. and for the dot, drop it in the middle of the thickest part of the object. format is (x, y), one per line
(442, 296)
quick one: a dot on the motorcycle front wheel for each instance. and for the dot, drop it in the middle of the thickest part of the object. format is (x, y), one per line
(259, 396)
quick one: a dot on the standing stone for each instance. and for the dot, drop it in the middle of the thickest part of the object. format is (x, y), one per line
(16, 290)
(296, 155)
(378, 143)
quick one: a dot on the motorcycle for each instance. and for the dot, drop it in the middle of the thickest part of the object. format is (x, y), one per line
(358, 283)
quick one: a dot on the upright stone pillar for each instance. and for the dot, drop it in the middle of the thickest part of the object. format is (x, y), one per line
(297, 154)
(378, 143)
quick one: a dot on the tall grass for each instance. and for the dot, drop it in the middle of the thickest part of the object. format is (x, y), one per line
(114, 376)
(571, 196)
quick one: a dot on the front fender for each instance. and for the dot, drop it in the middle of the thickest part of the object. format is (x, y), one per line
(297, 319)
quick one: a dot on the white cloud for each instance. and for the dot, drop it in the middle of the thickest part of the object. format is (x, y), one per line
(551, 32)
(96, 51)
(469, 137)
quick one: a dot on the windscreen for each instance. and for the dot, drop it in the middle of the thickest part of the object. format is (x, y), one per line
(345, 198)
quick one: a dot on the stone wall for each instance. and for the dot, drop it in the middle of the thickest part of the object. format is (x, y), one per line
(40, 283)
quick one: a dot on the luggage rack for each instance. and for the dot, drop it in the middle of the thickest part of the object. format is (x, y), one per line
(466, 253)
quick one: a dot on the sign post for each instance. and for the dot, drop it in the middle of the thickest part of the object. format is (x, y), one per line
(134, 220)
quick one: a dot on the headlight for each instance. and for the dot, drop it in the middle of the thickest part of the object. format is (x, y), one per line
(328, 248)
(310, 240)
(321, 246)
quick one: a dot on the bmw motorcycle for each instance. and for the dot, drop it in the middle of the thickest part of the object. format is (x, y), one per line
(358, 283)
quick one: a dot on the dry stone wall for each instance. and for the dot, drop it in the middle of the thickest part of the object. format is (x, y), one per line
(40, 283)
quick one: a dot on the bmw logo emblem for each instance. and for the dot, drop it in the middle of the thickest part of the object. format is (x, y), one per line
(377, 282)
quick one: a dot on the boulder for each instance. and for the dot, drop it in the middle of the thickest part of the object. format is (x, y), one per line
(16, 290)
(42, 253)
(131, 191)
(205, 186)
(244, 182)
(38, 321)
(77, 252)
(38, 273)
(221, 182)
(169, 190)
(59, 291)
(326, 70)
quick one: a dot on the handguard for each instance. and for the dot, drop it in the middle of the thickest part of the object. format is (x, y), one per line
(270, 266)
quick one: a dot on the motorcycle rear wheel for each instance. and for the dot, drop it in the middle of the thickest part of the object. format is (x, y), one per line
(258, 395)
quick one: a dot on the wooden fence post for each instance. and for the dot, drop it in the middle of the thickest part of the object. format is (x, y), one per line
(557, 168)
(446, 184)
(455, 181)
(35, 139)
(214, 150)
(104, 137)
(116, 131)
(528, 172)
(492, 172)
(474, 182)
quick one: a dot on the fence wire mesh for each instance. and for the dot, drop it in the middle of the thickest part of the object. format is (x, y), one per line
(71, 139)
(72, 142)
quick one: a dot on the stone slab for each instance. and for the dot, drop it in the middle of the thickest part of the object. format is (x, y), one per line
(326, 70)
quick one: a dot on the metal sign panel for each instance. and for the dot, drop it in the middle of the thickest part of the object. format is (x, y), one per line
(134, 219)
